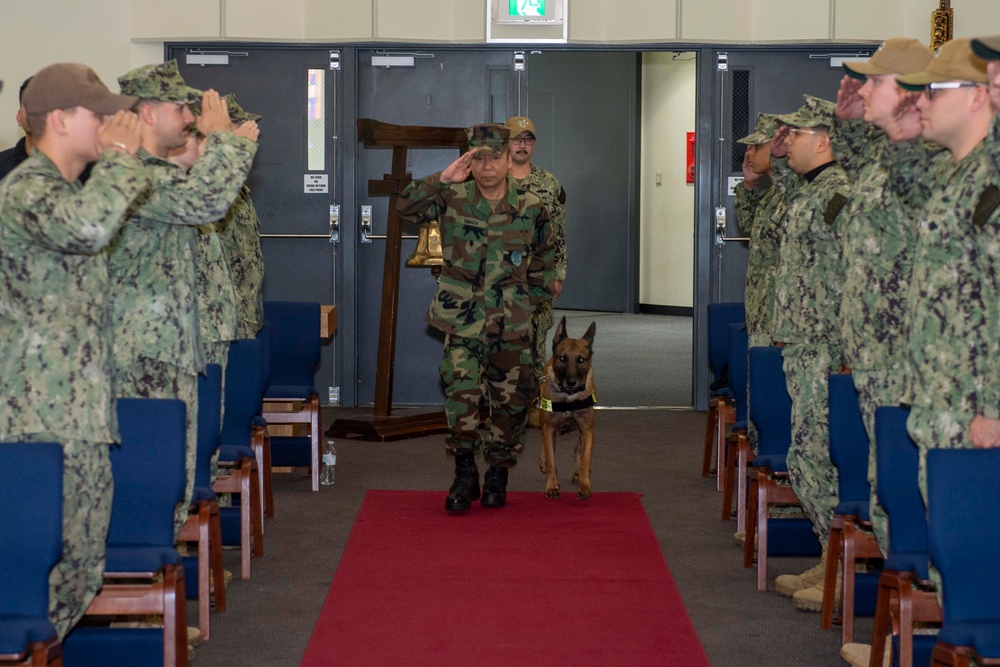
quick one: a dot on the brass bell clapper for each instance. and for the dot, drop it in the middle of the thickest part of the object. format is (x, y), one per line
(428, 253)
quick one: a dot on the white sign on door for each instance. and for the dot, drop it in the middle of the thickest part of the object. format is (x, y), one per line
(317, 184)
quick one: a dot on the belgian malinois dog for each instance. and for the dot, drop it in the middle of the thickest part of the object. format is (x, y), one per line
(567, 397)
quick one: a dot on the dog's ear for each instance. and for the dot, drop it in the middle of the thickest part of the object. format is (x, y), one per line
(560, 333)
(589, 336)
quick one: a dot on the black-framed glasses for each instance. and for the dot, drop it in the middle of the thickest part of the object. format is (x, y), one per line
(934, 87)
(522, 140)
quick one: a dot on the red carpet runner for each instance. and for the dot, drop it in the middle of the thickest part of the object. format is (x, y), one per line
(540, 582)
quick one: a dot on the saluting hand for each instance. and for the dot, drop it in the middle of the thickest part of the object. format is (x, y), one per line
(458, 170)
(779, 148)
(850, 106)
(214, 114)
(248, 129)
(121, 132)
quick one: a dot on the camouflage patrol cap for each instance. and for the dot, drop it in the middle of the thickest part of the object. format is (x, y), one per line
(162, 82)
(489, 136)
(237, 114)
(954, 61)
(763, 132)
(519, 124)
(899, 55)
(987, 48)
(68, 85)
(813, 113)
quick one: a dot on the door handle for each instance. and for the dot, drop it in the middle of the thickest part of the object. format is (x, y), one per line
(366, 227)
(720, 228)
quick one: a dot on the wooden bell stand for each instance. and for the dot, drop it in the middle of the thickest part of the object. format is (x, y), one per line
(383, 425)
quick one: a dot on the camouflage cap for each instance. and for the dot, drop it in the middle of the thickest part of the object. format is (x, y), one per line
(490, 136)
(899, 55)
(763, 132)
(68, 85)
(813, 113)
(237, 114)
(954, 61)
(162, 82)
(519, 124)
(987, 48)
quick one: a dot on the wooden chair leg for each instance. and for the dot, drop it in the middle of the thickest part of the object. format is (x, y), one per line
(751, 536)
(834, 550)
(881, 626)
(215, 554)
(706, 457)
(721, 420)
(727, 492)
(743, 459)
(256, 516)
(266, 477)
(315, 434)
(762, 488)
(204, 588)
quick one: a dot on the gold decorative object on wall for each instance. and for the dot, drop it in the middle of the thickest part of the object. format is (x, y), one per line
(428, 253)
(942, 24)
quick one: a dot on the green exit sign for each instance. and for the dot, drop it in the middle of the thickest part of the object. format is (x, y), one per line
(527, 8)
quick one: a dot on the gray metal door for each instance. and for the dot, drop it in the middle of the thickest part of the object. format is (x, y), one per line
(743, 84)
(584, 105)
(294, 183)
(445, 88)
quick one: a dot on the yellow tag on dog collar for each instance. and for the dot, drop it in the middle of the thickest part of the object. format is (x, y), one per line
(545, 404)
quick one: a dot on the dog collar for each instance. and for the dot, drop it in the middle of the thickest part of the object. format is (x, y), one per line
(546, 405)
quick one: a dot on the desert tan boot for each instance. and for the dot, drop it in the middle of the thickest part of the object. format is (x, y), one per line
(790, 584)
(859, 655)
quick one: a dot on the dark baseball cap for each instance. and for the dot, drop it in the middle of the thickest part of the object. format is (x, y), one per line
(68, 85)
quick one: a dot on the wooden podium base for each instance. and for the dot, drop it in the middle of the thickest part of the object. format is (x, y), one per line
(389, 428)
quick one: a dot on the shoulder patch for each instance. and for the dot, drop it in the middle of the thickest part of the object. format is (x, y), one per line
(988, 202)
(837, 202)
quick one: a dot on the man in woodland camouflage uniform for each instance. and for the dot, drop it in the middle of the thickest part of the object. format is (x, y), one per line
(153, 283)
(807, 300)
(499, 263)
(879, 233)
(55, 360)
(534, 179)
(953, 301)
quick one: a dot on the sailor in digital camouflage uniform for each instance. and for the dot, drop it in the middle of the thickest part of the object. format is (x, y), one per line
(954, 307)
(807, 301)
(499, 263)
(953, 302)
(55, 360)
(759, 209)
(534, 179)
(986, 432)
(879, 234)
(239, 232)
(157, 353)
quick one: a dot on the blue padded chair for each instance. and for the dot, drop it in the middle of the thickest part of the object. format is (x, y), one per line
(242, 439)
(736, 417)
(906, 565)
(295, 350)
(719, 317)
(143, 572)
(964, 539)
(848, 543)
(31, 480)
(203, 525)
(771, 412)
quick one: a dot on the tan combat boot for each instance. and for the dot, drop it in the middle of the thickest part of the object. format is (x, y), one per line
(789, 584)
(811, 599)
(859, 655)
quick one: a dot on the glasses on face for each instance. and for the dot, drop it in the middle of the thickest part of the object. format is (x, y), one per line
(793, 131)
(529, 141)
(933, 88)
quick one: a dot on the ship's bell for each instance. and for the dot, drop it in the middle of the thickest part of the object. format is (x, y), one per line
(428, 253)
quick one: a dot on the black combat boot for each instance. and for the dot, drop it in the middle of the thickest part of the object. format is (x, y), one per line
(495, 487)
(465, 488)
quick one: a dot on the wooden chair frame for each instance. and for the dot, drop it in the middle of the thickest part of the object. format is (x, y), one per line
(36, 654)
(764, 490)
(244, 480)
(160, 596)
(848, 544)
(900, 601)
(305, 412)
(205, 528)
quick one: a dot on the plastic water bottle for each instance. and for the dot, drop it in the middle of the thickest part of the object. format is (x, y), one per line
(326, 476)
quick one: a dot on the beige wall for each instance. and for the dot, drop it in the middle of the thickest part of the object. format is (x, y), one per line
(115, 35)
(666, 211)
